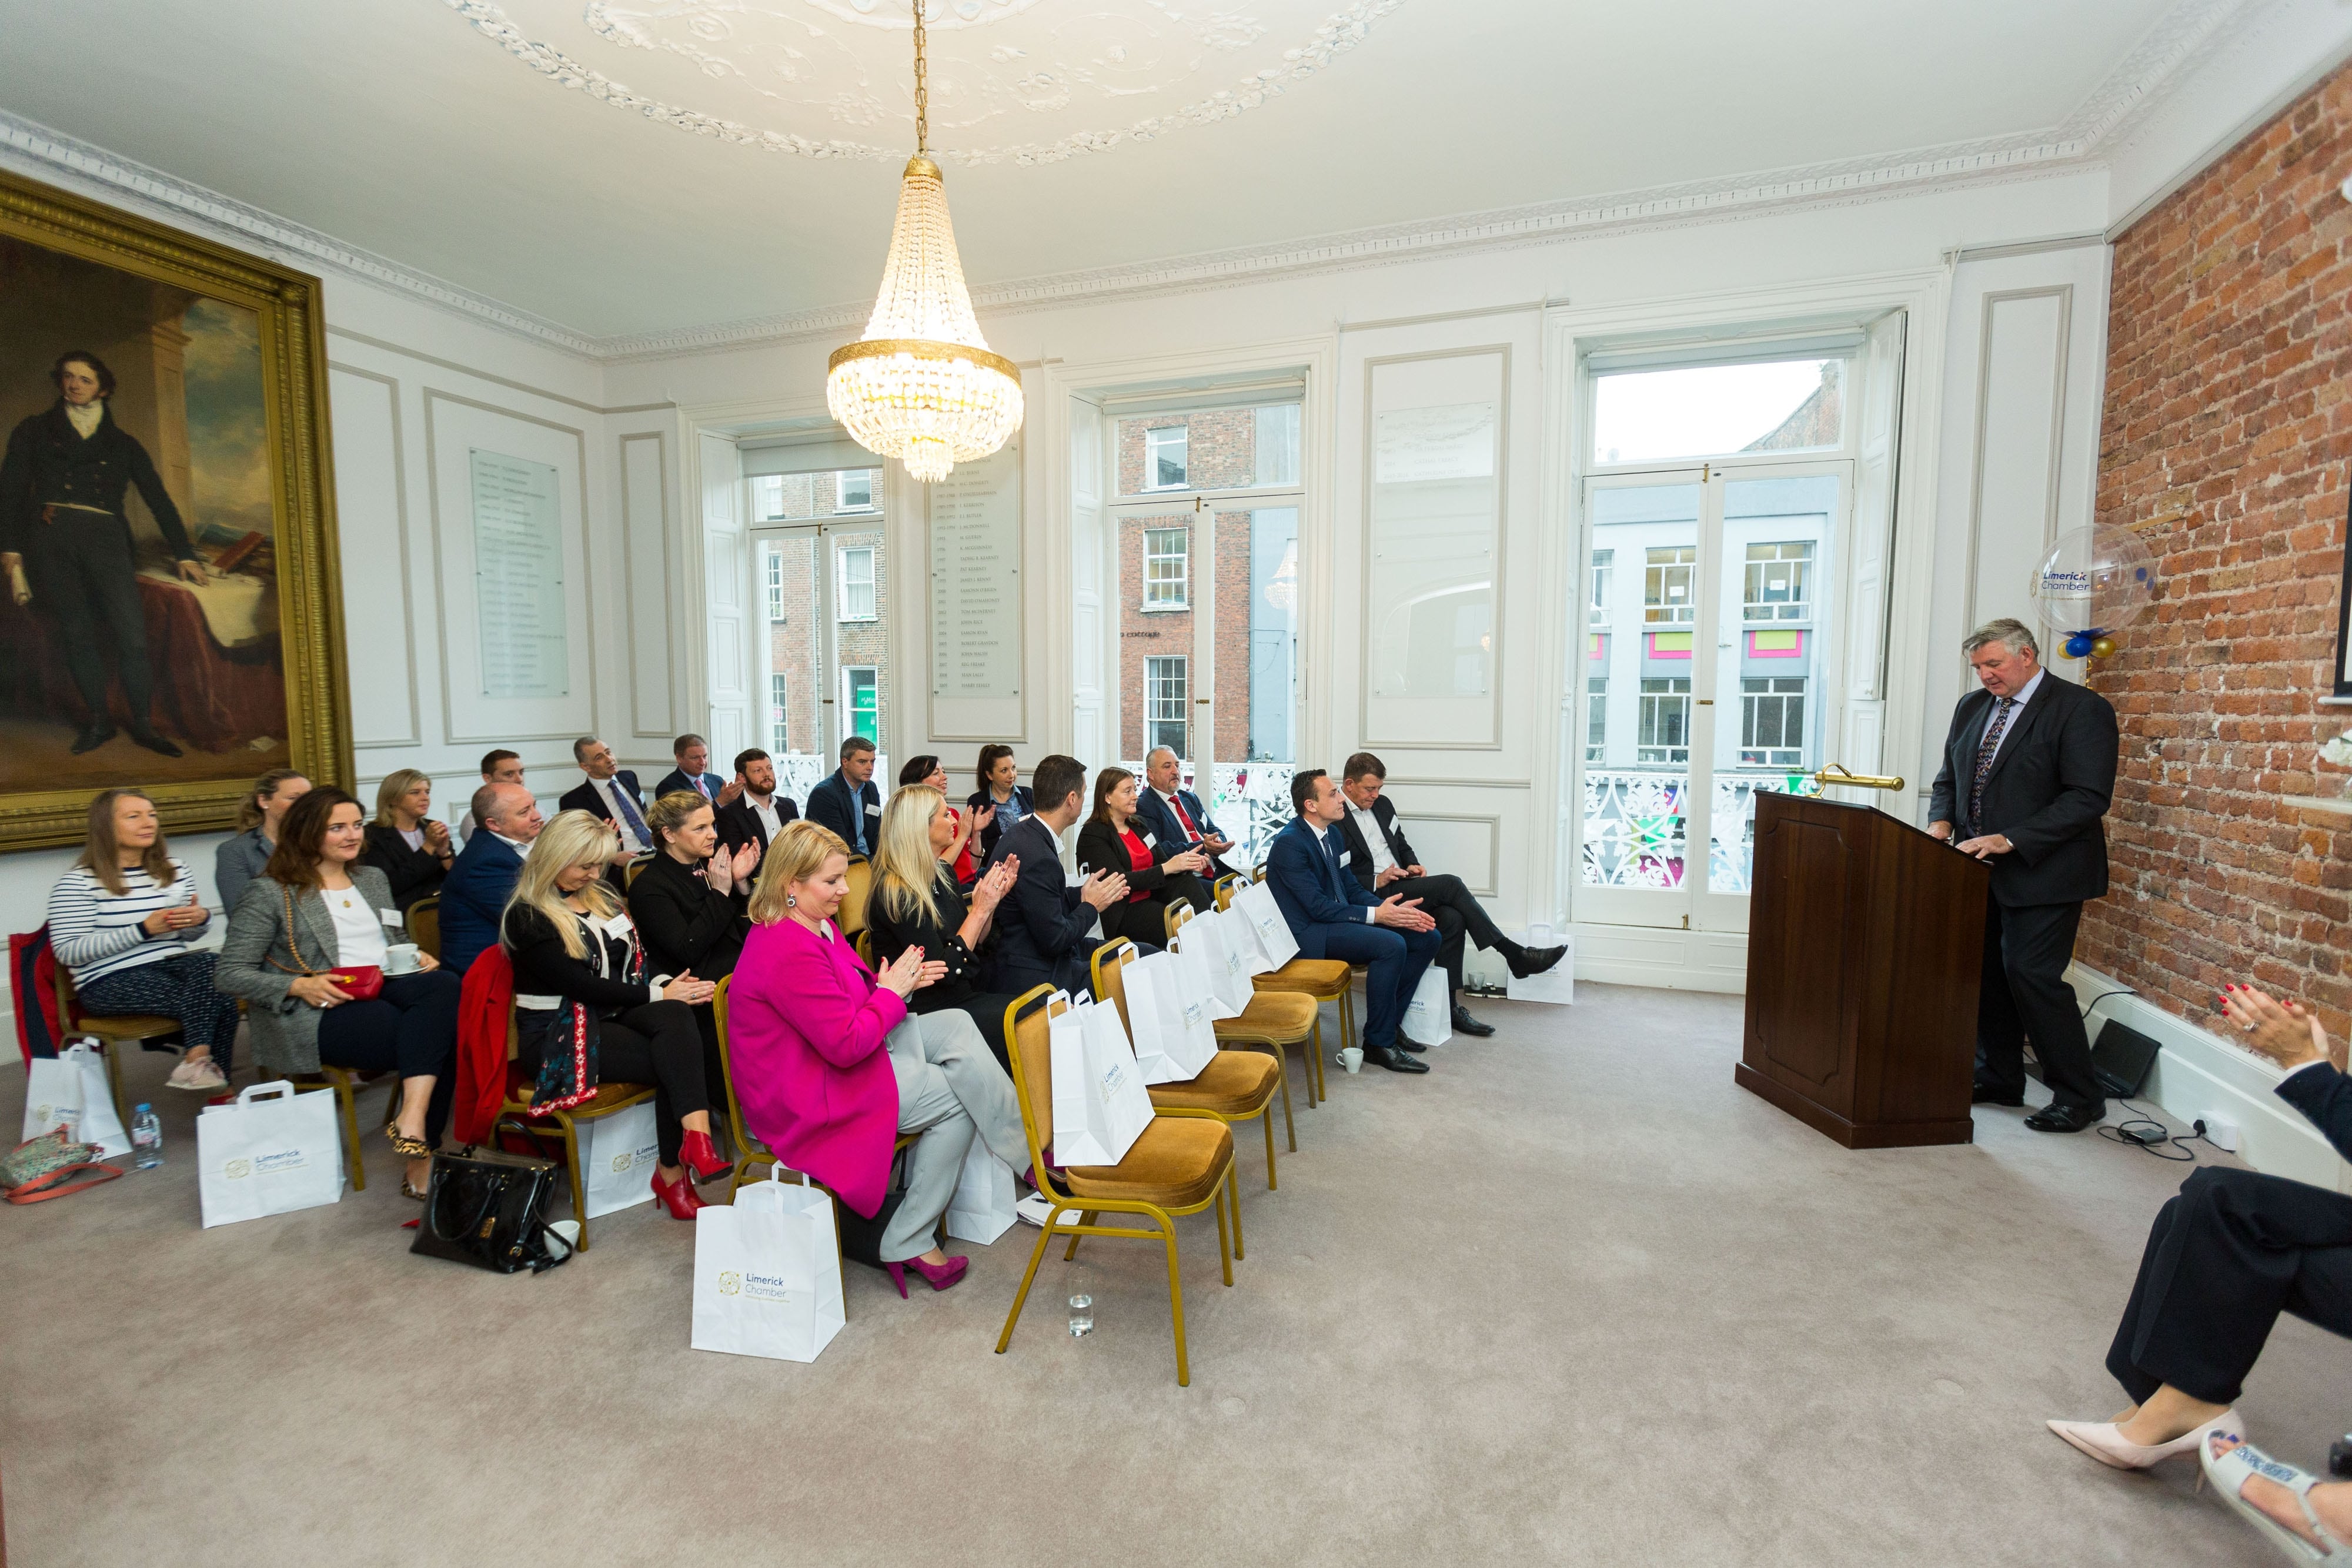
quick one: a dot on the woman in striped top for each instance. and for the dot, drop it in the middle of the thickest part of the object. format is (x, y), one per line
(121, 922)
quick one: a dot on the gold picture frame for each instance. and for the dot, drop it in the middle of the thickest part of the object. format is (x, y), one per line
(64, 236)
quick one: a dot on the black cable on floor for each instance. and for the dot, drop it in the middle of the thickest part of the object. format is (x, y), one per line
(2143, 1131)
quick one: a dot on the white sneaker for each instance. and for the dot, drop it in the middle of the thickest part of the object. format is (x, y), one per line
(200, 1077)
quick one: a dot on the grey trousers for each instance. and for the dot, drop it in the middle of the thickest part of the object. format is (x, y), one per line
(950, 1088)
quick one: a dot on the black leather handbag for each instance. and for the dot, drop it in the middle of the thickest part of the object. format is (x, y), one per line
(861, 1238)
(489, 1210)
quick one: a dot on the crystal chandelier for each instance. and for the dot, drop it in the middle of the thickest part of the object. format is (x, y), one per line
(922, 385)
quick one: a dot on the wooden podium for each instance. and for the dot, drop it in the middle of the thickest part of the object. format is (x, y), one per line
(1864, 944)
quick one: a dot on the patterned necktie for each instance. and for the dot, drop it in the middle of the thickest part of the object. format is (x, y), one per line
(1990, 744)
(631, 818)
(1331, 863)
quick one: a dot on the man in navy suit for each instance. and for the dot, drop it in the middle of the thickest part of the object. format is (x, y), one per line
(850, 802)
(474, 894)
(1333, 916)
(1045, 927)
(1175, 816)
(693, 773)
(610, 793)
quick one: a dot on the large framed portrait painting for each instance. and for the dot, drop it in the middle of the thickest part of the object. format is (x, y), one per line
(169, 612)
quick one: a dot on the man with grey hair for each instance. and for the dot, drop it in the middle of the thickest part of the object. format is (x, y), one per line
(2028, 771)
(1174, 814)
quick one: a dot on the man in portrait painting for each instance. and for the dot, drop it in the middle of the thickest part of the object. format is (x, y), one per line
(66, 544)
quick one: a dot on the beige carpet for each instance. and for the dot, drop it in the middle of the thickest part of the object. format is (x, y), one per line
(1572, 1298)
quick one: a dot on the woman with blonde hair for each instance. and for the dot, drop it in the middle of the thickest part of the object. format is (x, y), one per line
(586, 1010)
(120, 920)
(916, 903)
(405, 841)
(239, 860)
(830, 1065)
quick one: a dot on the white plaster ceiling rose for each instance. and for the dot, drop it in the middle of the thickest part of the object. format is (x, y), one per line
(1012, 81)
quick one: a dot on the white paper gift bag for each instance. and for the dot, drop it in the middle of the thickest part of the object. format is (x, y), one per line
(617, 1156)
(1169, 1019)
(69, 1090)
(1100, 1106)
(1255, 904)
(272, 1152)
(1428, 1021)
(981, 1208)
(767, 1272)
(1224, 945)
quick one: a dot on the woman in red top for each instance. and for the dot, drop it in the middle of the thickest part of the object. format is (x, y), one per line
(1157, 873)
(957, 857)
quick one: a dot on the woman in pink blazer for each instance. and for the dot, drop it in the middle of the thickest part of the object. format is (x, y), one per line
(831, 1067)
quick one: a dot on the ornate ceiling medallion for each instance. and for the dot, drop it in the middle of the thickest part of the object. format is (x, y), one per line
(1013, 81)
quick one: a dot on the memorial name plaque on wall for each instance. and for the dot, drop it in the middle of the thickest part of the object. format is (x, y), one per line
(518, 577)
(974, 523)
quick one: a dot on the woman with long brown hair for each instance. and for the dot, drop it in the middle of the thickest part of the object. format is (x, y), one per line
(1158, 874)
(121, 921)
(316, 912)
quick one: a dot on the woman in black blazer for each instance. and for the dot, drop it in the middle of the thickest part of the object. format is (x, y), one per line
(917, 903)
(1157, 874)
(1006, 801)
(405, 841)
(688, 898)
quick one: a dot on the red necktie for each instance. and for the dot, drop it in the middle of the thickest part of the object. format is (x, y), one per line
(1191, 831)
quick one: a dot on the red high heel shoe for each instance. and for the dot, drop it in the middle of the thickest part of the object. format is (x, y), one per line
(939, 1276)
(699, 1155)
(678, 1196)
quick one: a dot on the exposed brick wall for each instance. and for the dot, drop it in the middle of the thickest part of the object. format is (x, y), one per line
(2229, 344)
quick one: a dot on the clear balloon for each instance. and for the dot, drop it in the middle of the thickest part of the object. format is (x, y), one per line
(2093, 580)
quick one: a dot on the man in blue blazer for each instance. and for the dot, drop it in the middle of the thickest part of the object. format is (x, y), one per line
(474, 894)
(1045, 927)
(1174, 815)
(850, 802)
(1333, 916)
(693, 773)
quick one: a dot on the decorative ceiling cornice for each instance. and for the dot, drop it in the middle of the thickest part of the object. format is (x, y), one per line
(2151, 70)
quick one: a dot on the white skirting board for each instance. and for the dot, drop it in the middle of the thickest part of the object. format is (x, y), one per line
(2200, 1075)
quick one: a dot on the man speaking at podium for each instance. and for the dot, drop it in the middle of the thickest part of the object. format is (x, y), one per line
(2028, 771)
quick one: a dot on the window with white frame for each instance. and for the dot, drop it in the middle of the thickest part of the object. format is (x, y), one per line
(1604, 573)
(856, 582)
(1165, 694)
(767, 497)
(1668, 580)
(1664, 733)
(1772, 721)
(1164, 465)
(861, 697)
(1779, 582)
(775, 584)
(1167, 568)
(853, 490)
(1596, 718)
(779, 731)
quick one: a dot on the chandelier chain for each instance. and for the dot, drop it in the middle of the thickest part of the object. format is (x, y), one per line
(922, 90)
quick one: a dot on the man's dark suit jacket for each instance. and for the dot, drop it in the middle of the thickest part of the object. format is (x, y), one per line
(1312, 895)
(588, 798)
(1359, 853)
(677, 780)
(739, 825)
(1156, 818)
(1042, 928)
(830, 804)
(472, 896)
(2049, 788)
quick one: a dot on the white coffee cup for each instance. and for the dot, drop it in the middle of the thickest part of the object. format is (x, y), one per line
(1352, 1058)
(401, 959)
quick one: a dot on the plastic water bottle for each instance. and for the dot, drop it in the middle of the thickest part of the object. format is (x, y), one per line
(146, 1138)
(1082, 1316)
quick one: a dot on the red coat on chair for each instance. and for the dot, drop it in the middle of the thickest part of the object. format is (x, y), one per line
(485, 1009)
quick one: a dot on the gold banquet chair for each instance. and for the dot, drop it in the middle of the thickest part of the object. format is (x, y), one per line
(1322, 979)
(851, 915)
(424, 923)
(1236, 1085)
(1273, 1022)
(1180, 1165)
(515, 1115)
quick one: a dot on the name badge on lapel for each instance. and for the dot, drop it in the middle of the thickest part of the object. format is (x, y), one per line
(1149, 842)
(1345, 857)
(873, 810)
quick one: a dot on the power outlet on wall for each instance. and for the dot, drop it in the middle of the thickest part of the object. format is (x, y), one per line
(2221, 1134)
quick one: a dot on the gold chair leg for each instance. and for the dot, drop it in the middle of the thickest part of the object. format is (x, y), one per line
(1225, 1241)
(1312, 1055)
(1233, 1192)
(1037, 1256)
(1087, 1217)
(348, 1096)
(1265, 1115)
(1176, 1296)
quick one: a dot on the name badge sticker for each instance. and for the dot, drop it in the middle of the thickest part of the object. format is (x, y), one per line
(873, 810)
(1149, 842)
(390, 917)
(1345, 856)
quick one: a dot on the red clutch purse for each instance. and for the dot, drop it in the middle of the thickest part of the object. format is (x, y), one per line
(361, 982)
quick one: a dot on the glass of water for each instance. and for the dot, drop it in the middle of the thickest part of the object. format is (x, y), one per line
(1082, 1316)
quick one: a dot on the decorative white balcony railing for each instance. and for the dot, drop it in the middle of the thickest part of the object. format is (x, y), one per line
(1635, 833)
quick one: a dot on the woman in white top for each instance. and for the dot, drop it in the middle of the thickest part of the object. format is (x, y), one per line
(121, 922)
(314, 913)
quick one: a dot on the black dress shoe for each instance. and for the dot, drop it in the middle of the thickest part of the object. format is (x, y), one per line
(1406, 1042)
(1529, 961)
(92, 738)
(156, 743)
(2057, 1118)
(1986, 1095)
(1394, 1061)
(1465, 1024)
